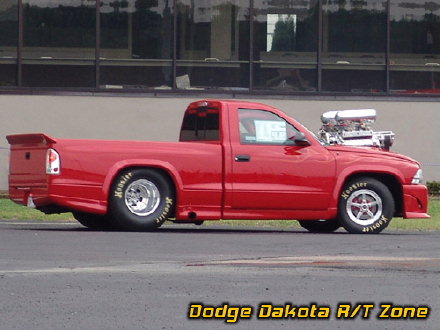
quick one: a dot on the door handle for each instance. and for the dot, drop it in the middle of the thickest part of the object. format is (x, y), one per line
(242, 158)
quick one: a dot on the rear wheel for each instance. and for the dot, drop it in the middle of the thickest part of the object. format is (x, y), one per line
(320, 226)
(94, 221)
(366, 205)
(141, 199)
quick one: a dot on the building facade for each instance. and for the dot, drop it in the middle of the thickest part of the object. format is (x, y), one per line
(318, 47)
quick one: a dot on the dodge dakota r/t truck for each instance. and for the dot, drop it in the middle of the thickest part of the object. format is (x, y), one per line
(234, 160)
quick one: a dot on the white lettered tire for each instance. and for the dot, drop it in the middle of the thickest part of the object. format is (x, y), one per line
(141, 199)
(366, 205)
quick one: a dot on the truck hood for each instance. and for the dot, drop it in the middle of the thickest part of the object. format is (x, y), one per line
(374, 152)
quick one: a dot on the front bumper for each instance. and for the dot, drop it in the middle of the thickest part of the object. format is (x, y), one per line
(415, 202)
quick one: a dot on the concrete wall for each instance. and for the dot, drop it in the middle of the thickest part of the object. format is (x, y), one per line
(416, 124)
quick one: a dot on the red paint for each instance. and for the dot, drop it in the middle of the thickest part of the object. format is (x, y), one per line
(278, 181)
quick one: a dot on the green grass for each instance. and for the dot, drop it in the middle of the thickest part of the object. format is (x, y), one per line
(420, 224)
(10, 210)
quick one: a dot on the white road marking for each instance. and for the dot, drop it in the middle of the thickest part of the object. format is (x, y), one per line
(325, 259)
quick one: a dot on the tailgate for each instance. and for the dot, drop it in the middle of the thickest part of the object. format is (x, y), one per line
(27, 167)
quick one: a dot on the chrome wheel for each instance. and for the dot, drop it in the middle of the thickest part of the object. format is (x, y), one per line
(142, 197)
(364, 207)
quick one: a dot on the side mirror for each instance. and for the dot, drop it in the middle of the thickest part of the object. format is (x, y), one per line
(301, 140)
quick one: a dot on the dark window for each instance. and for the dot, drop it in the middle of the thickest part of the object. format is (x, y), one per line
(8, 42)
(353, 46)
(136, 44)
(59, 29)
(58, 43)
(54, 75)
(213, 44)
(264, 127)
(415, 47)
(201, 124)
(285, 45)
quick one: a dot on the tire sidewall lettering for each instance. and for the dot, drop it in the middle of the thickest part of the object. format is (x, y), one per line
(355, 186)
(383, 221)
(169, 202)
(119, 188)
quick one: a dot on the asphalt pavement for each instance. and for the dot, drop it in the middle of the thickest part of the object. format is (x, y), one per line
(63, 276)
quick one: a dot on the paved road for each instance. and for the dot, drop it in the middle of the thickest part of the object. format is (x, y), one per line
(61, 276)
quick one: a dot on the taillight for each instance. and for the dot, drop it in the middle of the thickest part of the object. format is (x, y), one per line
(52, 162)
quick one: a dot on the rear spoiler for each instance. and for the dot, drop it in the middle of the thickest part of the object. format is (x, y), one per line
(33, 138)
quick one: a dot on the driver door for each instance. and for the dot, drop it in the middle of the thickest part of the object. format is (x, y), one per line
(270, 171)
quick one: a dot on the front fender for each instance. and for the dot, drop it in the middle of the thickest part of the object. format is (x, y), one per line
(351, 171)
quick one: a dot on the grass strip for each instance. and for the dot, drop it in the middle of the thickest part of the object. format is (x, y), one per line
(10, 210)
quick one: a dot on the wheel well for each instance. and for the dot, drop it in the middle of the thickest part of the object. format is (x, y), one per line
(391, 182)
(162, 171)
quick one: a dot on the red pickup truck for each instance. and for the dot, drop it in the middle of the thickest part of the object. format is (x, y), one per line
(234, 160)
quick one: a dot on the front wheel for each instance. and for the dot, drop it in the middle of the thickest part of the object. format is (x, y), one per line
(366, 205)
(141, 199)
(320, 226)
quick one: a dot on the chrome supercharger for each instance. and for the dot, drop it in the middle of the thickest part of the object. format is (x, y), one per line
(353, 128)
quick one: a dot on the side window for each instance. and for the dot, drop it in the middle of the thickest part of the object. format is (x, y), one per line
(264, 127)
(201, 124)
